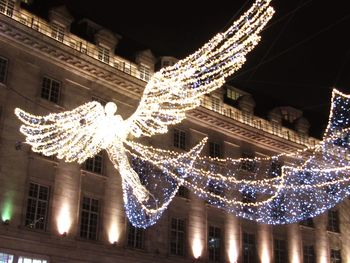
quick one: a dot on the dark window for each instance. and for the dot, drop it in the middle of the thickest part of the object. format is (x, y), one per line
(7, 7)
(333, 221)
(135, 237)
(182, 192)
(3, 69)
(280, 251)
(248, 196)
(95, 164)
(248, 162)
(57, 32)
(214, 150)
(37, 206)
(215, 187)
(308, 254)
(103, 54)
(335, 256)
(179, 139)
(89, 218)
(177, 237)
(214, 243)
(50, 90)
(307, 222)
(275, 168)
(249, 248)
(306, 213)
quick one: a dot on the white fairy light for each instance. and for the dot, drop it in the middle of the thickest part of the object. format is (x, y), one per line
(83, 132)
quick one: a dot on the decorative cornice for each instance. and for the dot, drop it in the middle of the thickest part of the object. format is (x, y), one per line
(22, 35)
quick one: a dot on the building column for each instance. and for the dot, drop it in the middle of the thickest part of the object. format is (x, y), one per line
(114, 219)
(66, 199)
(197, 228)
(321, 245)
(264, 243)
(294, 243)
(232, 238)
(344, 212)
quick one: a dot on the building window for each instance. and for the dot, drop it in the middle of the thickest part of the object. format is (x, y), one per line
(275, 169)
(179, 139)
(214, 243)
(182, 192)
(280, 251)
(89, 218)
(232, 94)
(30, 260)
(103, 54)
(136, 237)
(6, 258)
(37, 206)
(249, 248)
(57, 32)
(214, 150)
(3, 69)
(335, 256)
(144, 73)
(308, 254)
(177, 237)
(50, 90)
(333, 221)
(307, 222)
(215, 187)
(248, 163)
(95, 164)
(7, 7)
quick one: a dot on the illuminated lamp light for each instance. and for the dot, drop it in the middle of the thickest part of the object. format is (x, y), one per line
(197, 247)
(233, 251)
(113, 234)
(6, 211)
(64, 220)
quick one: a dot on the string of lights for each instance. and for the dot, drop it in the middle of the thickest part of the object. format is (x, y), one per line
(261, 189)
(83, 132)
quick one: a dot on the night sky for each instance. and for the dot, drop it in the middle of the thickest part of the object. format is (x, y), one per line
(304, 52)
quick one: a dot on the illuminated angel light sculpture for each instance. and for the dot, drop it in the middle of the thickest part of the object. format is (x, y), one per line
(83, 132)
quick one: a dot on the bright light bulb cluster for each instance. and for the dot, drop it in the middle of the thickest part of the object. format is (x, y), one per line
(83, 132)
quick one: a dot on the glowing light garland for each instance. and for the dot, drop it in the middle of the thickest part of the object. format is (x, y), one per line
(263, 190)
(259, 189)
(83, 132)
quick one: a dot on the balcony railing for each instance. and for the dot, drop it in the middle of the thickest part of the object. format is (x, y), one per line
(258, 123)
(55, 32)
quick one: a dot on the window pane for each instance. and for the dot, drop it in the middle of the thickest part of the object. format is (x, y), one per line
(37, 206)
(89, 218)
(3, 69)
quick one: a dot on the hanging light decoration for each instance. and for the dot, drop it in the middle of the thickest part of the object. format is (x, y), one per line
(276, 190)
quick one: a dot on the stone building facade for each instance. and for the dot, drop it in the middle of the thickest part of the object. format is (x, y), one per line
(52, 211)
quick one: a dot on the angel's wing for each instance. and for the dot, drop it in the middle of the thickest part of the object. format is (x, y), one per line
(71, 134)
(174, 90)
